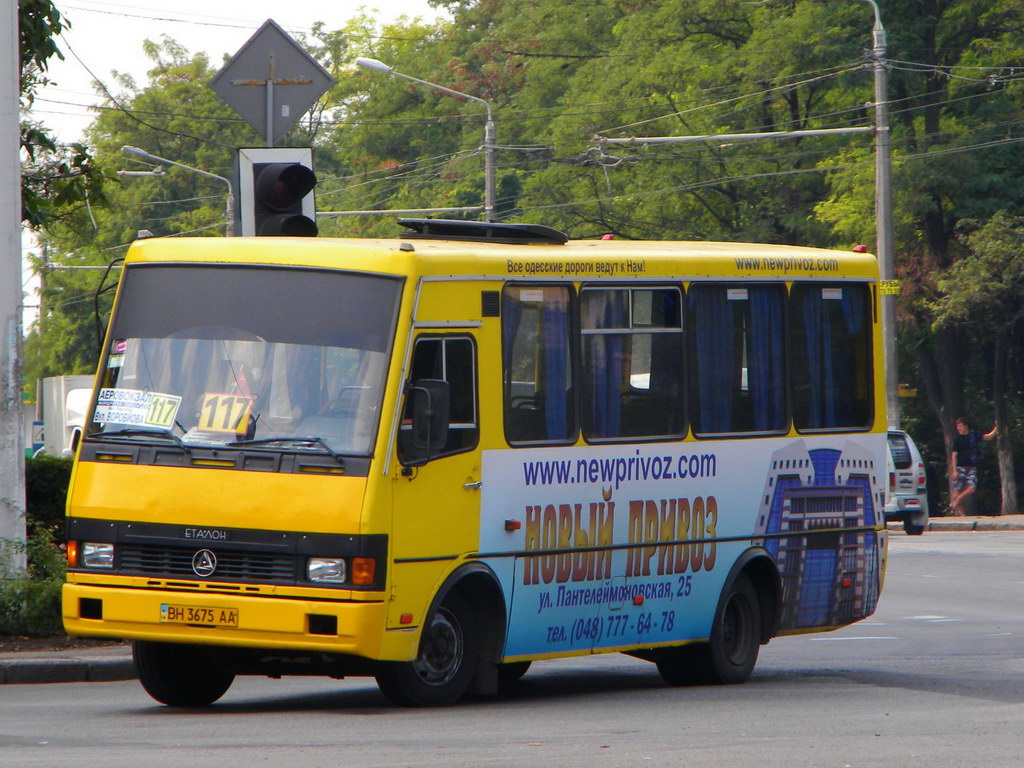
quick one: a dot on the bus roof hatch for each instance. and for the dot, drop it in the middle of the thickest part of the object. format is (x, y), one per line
(482, 231)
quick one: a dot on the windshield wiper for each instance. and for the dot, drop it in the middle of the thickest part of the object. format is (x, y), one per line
(138, 432)
(319, 441)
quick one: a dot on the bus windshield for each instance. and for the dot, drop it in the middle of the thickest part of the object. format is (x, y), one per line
(264, 356)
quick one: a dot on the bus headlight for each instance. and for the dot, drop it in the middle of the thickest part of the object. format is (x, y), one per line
(97, 555)
(330, 570)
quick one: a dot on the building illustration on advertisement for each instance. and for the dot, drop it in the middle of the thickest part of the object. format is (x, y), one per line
(817, 513)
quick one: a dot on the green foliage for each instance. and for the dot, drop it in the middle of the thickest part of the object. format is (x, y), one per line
(560, 78)
(56, 178)
(39, 22)
(30, 604)
(986, 289)
(46, 489)
(175, 116)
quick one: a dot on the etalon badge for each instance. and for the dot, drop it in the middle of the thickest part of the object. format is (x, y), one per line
(204, 563)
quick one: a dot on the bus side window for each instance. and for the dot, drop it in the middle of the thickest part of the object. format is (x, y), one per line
(738, 358)
(632, 363)
(832, 365)
(451, 359)
(536, 334)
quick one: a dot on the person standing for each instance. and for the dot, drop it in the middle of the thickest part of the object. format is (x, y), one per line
(966, 453)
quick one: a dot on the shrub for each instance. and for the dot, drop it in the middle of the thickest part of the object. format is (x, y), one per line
(46, 491)
(30, 602)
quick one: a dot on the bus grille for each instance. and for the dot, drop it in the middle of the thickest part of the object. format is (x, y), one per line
(232, 566)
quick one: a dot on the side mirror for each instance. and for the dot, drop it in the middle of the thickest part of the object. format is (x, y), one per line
(431, 406)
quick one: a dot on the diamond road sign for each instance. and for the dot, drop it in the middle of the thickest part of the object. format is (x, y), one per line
(271, 82)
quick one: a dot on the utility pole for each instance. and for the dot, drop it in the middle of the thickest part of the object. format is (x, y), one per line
(230, 208)
(490, 175)
(12, 450)
(884, 248)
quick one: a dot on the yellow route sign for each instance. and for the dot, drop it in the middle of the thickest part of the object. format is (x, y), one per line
(889, 287)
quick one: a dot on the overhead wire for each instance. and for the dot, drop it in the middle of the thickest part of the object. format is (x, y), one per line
(129, 113)
(418, 167)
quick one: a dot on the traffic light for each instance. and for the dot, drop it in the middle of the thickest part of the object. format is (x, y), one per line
(276, 190)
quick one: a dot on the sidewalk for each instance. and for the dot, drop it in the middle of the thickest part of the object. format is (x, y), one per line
(1003, 523)
(77, 665)
(114, 662)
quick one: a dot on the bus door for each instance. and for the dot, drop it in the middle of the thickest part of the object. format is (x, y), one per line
(436, 494)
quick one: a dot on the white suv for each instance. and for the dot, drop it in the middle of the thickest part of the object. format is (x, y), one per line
(907, 497)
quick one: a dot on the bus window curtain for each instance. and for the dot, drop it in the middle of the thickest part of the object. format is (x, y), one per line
(821, 400)
(765, 373)
(511, 319)
(606, 372)
(606, 359)
(714, 328)
(854, 309)
(557, 383)
(832, 327)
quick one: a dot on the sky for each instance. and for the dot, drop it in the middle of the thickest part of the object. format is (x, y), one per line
(107, 36)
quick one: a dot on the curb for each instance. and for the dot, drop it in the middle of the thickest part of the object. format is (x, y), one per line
(976, 525)
(1007, 523)
(34, 670)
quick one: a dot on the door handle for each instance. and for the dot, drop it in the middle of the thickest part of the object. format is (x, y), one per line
(474, 486)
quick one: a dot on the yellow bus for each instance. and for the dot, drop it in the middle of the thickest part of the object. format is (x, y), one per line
(437, 459)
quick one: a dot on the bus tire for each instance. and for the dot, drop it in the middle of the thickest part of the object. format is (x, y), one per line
(730, 654)
(442, 672)
(180, 675)
(677, 665)
(512, 671)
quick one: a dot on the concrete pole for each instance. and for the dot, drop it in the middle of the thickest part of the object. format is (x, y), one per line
(490, 174)
(12, 434)
(884, 217)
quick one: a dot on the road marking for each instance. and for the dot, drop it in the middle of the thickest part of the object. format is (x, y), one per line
(924, 618)
(840, 639)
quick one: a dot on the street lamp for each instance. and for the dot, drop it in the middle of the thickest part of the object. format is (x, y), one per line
(231, 190)
(489, 178)
(883, 218)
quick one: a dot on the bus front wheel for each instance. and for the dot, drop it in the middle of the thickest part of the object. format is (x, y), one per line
(446, 663)
(179, 675)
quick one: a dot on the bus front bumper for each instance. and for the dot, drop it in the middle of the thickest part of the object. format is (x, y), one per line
(338, 627)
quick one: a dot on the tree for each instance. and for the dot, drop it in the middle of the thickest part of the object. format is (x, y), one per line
(559, 77)
(984, 291)
(56, 178)
(174, 116)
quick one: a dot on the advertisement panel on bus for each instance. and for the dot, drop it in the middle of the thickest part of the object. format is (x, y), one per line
(604, 547)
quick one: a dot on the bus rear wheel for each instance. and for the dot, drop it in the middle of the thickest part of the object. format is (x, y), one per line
(512, 671)
(441, 673)
(180, 675)
(730, 653)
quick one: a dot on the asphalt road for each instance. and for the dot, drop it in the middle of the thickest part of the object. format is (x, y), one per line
(935, 678)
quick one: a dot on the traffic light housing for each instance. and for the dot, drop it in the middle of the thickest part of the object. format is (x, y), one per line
(276, 191)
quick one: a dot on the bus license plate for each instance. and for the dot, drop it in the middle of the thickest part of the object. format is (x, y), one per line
(198, 614)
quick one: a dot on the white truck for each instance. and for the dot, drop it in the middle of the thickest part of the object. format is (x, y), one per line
(59, 413)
